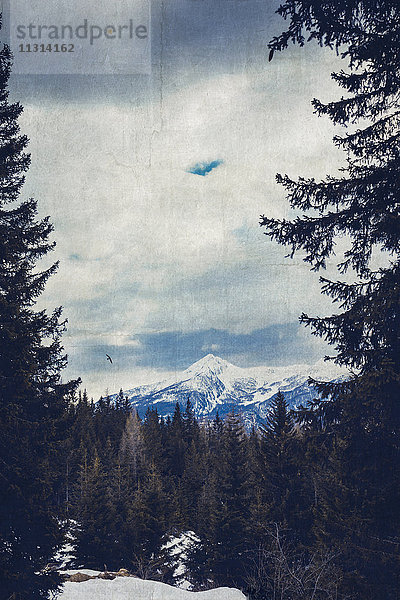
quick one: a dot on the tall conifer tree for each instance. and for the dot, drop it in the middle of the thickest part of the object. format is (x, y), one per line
(362, 206)
(230, 548)
(32, 398)
(277, 457)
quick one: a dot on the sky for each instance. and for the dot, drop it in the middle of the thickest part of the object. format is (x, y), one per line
(155, 184)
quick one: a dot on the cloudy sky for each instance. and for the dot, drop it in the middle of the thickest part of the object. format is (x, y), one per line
(155, 184)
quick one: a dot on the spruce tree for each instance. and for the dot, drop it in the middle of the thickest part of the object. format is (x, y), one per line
(190, 425)
(229, 552)
(257, 494)
(191, 485)
(176, 444)
(279, 421)
(362, 207)
(152, 431)
(132, 449)
(277, 460)
(147, 517)
(94, 543)
(32, 399)
(284, 473)
(361, 204)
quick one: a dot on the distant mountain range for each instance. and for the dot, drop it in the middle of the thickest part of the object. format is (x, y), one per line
(213, 384)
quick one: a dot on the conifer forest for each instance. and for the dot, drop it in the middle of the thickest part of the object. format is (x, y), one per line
(306, 505)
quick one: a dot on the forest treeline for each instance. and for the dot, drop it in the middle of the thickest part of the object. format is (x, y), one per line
(278, 511)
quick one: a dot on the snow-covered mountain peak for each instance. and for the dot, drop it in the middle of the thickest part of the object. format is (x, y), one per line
(208, 365)
(213, 384)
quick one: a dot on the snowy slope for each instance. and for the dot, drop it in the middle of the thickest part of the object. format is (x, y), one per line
(213, 384)
(130, 588)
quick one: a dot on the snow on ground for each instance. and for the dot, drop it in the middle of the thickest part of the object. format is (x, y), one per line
(83, 571)
(131, 588)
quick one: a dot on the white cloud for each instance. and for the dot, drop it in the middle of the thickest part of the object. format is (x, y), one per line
(146, 246)
(211, 347)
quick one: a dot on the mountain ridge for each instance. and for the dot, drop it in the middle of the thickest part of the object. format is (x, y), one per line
(213, 384)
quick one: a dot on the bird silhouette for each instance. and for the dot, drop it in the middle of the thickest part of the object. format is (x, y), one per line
(109, 358)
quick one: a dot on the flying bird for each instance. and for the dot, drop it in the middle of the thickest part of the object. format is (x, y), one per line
(271, 55)
(109, 358)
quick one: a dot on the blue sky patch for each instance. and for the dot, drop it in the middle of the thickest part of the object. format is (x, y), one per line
(202, 168)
